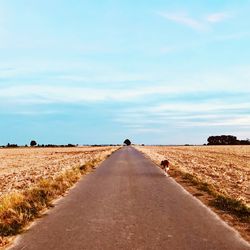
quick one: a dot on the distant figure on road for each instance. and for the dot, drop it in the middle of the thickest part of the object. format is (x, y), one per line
(165, 165)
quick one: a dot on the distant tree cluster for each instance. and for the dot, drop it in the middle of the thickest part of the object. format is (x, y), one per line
(11, 145)
(226, 140)
(127, 142)
(34, 144)
(56, 146)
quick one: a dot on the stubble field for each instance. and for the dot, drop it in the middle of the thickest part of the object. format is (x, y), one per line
(22, 168)
(226, 168)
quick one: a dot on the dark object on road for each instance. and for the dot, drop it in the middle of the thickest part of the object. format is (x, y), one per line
(165, 165)
(127, 142)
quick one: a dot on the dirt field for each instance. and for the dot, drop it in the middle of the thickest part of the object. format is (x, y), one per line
(22, 167)
(227, 168)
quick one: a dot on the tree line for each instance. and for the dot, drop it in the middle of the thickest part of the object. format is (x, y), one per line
(33, 143)
(226, 140)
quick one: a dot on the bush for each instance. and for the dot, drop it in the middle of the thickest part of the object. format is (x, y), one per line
(33, 143)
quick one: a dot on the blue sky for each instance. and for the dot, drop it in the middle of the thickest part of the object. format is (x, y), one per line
(157, 72)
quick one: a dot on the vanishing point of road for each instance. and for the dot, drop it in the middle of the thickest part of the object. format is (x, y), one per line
(128, 203)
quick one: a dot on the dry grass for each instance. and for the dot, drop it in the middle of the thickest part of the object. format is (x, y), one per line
(18, 208)
(225, 168)
(23, 167)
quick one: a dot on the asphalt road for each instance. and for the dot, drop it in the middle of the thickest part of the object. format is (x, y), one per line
(128, 203)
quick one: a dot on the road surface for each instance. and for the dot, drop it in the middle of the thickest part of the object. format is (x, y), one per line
(128, 203)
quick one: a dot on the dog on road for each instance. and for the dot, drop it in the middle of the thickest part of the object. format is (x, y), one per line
(165, 166)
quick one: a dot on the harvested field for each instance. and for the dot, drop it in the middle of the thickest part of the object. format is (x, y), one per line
(226, 168)
(21, 168)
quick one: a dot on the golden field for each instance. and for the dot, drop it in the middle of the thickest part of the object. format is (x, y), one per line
(227, 168)
(21, 168)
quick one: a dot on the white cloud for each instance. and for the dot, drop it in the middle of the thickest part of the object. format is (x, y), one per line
(201, 107)
(217, 17)
(184, 19)
(110, 90)
(201, 24)
(65, 94)
(112, 77)
(235, 122)
(187, 114)
(31, 112)
(70, 72)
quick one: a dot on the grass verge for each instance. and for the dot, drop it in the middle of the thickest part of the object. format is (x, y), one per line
(232, 206)
(220, 201)
(17, 209)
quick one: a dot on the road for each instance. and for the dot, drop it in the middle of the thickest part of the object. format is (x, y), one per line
(128, 203)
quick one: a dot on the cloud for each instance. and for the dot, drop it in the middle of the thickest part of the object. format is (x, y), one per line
(188, 114)
(70, 72)
(113, 77)
(39, 94)
(184, 19)
(202, 24)
(202, 107)
(217, 17)
(125, 87)
(243, 121)
(30, 112)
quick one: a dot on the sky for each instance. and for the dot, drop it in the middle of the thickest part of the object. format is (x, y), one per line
(101, 71)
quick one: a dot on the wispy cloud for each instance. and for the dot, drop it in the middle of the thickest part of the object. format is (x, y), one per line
(37, 94)
(242, 121)
(188, 114)
(30, 112)
(183, 19)
(217, 17)
(193, 107)
(199, 24)
(114, 77)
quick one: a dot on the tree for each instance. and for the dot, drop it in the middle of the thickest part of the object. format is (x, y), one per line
(223, 140)
(127, 142)
(33, 143)
(11, 145)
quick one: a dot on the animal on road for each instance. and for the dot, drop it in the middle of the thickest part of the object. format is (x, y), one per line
(165, 165)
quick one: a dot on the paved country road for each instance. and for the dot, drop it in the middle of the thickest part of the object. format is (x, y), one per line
(128, 203)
